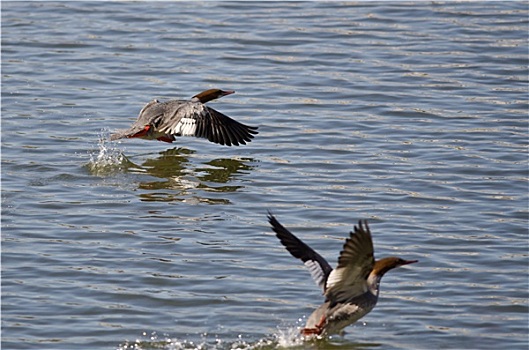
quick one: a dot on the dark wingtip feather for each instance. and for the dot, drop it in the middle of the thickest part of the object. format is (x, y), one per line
(362, 227)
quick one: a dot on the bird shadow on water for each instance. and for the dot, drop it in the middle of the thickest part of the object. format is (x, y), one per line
(172, 174)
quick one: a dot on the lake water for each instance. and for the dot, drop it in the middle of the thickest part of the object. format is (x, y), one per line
(411, 115)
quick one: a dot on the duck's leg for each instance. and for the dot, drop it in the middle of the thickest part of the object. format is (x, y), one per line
(317, 330)
(142, 133)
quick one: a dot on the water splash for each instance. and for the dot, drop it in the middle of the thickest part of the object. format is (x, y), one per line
(288, 337)
(285, 337)
(107, 160)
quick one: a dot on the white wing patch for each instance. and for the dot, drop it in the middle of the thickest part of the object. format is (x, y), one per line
(316, 272)
(344, 280)
(185, 127)
(335, 277)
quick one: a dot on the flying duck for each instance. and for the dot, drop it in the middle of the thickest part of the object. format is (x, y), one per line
(351, 289)
(164, 121)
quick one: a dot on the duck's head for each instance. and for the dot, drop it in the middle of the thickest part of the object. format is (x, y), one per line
(212, 94)
(384, 265)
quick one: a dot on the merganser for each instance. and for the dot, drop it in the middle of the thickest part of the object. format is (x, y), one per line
(351, 290)
(164, 120)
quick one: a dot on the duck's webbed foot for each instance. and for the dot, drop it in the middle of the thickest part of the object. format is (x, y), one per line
(166, 138)
(317, 330)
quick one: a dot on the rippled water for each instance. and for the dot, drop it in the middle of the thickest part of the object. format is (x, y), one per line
(411, 115)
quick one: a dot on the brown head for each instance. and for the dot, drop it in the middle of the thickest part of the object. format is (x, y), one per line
(384, 265)
(212, 94)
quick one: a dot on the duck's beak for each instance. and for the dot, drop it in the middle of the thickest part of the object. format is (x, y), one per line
(407, 262)
(226, 92)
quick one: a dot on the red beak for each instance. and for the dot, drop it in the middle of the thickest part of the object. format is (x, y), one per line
(409, 262)
(227, 92)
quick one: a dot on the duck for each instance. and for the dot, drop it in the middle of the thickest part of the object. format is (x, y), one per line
(351, 289)
(164, 121)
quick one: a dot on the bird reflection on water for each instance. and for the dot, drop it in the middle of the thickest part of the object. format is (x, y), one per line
(178, 177)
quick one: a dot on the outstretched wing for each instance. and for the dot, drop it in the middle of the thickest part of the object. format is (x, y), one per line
(319, 268)
(220, 128)
(355, 263)
(196, 119)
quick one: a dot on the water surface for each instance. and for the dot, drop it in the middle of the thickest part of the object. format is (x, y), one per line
(411, 115)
